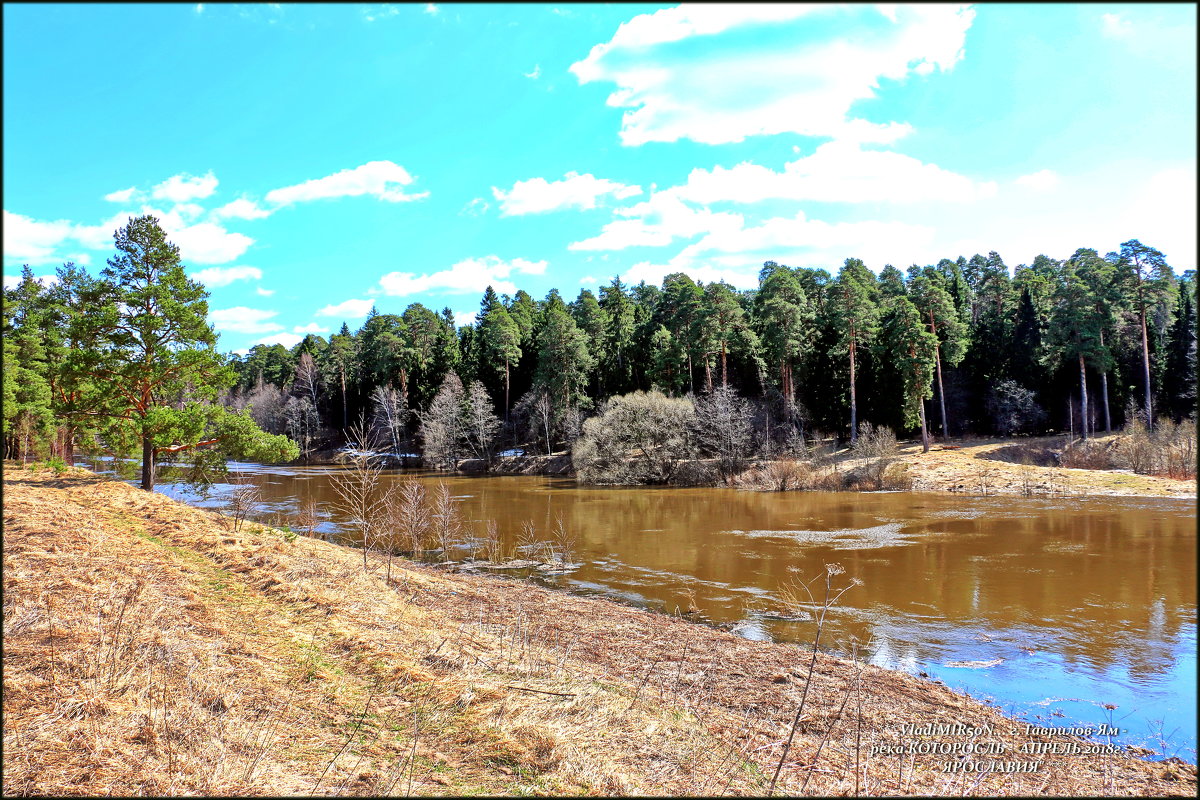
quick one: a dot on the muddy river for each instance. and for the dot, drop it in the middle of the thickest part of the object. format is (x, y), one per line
(1053, 608)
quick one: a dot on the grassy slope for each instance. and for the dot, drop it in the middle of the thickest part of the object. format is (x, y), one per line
(150, 649)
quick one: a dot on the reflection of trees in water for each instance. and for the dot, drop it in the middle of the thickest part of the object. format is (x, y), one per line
(1111, 583)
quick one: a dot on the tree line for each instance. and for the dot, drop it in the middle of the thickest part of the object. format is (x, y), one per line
(965, 346)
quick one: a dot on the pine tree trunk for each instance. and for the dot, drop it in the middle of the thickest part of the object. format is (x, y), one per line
(342, 372)
(937, 354)
(1146, 370)
(924, 430)
(147, 464)
(1083, 399)
(1104, 389)
(506, 392)
(853, 400)
(724, 371)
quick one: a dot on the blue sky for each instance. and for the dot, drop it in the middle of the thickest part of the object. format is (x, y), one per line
(314, 160)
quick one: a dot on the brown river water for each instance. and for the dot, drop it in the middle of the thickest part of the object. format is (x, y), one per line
(1059, 605)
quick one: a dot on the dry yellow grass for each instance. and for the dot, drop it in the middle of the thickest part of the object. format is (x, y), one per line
(150, 650)
(993, 466)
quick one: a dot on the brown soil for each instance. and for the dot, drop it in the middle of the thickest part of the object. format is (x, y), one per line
(152, 649)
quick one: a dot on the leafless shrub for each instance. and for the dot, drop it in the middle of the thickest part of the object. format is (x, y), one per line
(493, 547)
(565, 541)
(444, 520)
(799, 595)
(641, 437)
(410, 517)
(244, 500)
(777, 476)
(897, 477)
(360, 498)
(1169, 449)
(308, 517)
(1082, 454)
(877, 447)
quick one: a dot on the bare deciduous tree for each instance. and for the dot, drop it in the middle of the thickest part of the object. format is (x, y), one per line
(441, 425)
(722, 427)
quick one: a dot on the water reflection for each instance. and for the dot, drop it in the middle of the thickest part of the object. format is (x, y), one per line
(1084, 600)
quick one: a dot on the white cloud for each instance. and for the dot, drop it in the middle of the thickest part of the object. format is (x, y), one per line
(743, 278)
(657, 222)
(728, 89)
(241, 208)
(205, 243)
(538, 195)
(839, 172)
(123, 195)
(463, 319)
(39, 242)
(12, 281)
(223, 276)
(240, 319)
(350, 309)
(311, 327)
(537, 71)
(183, 187)
(432, 9)
(261, 292)
(476, 207)
(588, 279)
(1162, 213)
(32, 240)
(1043, 180)
(372, 13)
(381, 179)
(468, 275)
(288, 340)
(1114, 26)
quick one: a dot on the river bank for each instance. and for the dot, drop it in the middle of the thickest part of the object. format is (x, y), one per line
(150, 648)
(1029, 467)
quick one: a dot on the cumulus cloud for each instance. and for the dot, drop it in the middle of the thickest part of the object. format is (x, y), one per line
(468, 275)
(12, 281)
(32, 240)
(1041, 181)
(184, 187)
(350, 309)
(123, 195)
(241, 208)
(537, 195)
(214, 277)
(537, 71)
(838, 172)
(288, 340)
(241, 319)
(463, 319)
(37, 241)
(803, 79)
(207, 242)
(383, 180)
(656, 222)
(311, 327)
(261, 292)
